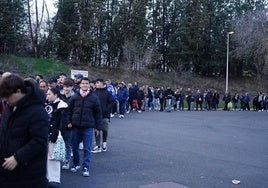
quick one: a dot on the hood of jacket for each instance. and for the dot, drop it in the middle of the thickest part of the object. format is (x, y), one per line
(33, 96)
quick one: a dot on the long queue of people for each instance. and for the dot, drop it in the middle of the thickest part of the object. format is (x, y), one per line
(142, 98)
(129, 97)
(79, 110)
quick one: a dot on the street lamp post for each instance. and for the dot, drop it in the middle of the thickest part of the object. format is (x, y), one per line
(227, 60)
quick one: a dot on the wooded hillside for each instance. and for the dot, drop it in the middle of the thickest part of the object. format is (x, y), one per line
(179, 36)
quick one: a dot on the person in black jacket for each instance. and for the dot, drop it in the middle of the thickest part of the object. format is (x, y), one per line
(199, 98)
(140, 99)
(23, 134)
(162, 99)
(226, 99)
(189, 98)
(84, 114)
(65, 94)
(168, 95)
(57, 111)
(107, 103)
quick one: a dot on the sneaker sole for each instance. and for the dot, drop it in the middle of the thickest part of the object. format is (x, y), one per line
(85, 175)
(74, 170)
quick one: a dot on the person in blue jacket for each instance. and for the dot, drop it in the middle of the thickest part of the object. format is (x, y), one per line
(122, 97)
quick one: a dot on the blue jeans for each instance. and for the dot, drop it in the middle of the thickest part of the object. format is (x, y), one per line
(168, 103)
(122, 107)
(84, 134)
(178, 105)
(156, 104)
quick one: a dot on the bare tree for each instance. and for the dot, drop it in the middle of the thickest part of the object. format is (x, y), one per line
(137, 56)
(251, 37)
(34, 23)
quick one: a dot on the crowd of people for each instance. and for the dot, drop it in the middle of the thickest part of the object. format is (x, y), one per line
(36, 113)
(142, 98)
(61, 108)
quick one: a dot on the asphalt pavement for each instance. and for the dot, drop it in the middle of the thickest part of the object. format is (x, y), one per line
(181, 149)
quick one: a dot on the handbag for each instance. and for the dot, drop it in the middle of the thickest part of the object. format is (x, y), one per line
(230, 105)
(59, 149)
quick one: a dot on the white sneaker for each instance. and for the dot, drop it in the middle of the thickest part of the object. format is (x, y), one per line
(81, 146)
(111, 115)
(85, 172)
(66, 166)
(104, 146)
(75, 168)
(96, 149)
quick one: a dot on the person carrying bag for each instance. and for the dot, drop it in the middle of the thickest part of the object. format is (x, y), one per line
(57, 111)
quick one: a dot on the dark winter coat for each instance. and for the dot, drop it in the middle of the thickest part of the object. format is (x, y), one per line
(106, 101)
(140, 95)
(133, 93)
(149, 94)
(57, 112)
(64, 97)
(168, 94)
(199, 98)
(24, 134)
(177, 96)
(85, 112)
(2, 107)
(227, 98)
(122, 94)
(156, 93)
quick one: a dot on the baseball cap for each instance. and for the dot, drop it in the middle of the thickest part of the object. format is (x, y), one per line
(52, 80)
(79, 76)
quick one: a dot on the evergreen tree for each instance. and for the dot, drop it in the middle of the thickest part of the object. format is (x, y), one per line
(67, 28)
(12, 22)
(197, 24)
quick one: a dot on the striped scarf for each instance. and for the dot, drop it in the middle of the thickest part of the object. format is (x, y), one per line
(84, 93)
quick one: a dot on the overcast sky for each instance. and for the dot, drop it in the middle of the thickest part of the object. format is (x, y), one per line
(50, 5)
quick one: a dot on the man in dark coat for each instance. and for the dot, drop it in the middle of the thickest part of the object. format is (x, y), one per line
(226, 99)
(84, 114)
(168, 95)
(107, 102)
(199, 98)
(23, 134)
